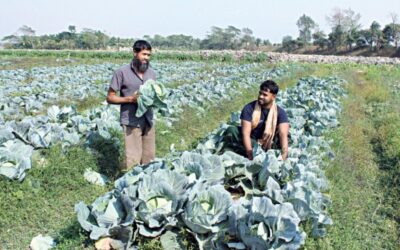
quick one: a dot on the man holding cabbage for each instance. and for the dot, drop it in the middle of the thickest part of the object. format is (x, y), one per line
(139, 131)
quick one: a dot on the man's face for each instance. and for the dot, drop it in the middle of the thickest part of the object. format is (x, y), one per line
(142, 58)
(265, 97)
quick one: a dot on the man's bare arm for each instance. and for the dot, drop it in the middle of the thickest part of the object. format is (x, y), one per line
(113, 98)
(283, 129)
(246, 131)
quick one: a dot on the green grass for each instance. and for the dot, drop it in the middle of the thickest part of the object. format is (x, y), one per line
(355, 176)
(43, 202)
(385, 117)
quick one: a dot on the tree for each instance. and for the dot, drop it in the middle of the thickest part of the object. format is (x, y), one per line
(247, 40)
(25, 36)
(305, 25)
(288, 44)
(159, 41)
(72, 29)
(351, 38)
(391, 34)
(229, 38)
(11, 41)
(395, 29)
(387, 34)
(102, 39)
(65, 35)
(258, 42)
(376, 35)
(346, 18)
(219, 38)
(320, 39)
(25, 31)
(337, 37)
(179, 41)
(266, 43)
(87, 39)
(344, 23)
(364, 39)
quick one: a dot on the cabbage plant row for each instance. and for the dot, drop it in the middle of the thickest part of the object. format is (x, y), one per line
(29, 92)
(67, 126)
(223, 199)
(204, 93)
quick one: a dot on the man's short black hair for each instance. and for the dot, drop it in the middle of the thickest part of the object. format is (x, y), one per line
(270, 86)
(140, 45)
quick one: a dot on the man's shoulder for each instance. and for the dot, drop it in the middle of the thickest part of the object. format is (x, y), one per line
(123, 68)
(250, 105)
(280, 109)
(126, 67)
(282, 116)
(247, 111)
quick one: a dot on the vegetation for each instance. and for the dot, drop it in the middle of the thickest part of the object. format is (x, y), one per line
(363, 177)
(346, 36)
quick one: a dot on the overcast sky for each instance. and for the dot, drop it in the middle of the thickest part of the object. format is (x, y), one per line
(269, 19)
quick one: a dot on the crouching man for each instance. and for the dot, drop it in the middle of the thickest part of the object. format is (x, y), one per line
(262, 122)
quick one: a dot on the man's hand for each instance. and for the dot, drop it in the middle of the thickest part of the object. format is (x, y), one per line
(133, 98)
(113, 98)
(249, 154)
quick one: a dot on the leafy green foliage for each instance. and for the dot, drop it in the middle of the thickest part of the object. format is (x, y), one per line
(69, 127)
(151, 95)
(186, 189)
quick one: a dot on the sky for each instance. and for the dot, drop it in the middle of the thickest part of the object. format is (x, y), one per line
(268, 19)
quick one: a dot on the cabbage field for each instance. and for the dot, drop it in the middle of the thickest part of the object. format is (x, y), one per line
(59, 139)
(22, 131)
(188, 189)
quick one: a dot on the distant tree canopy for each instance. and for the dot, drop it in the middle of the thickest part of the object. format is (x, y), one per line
(306, 25)
(346, 33)
(219, 38)
(89, 39)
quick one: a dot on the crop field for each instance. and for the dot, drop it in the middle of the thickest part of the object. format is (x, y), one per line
(338, 189)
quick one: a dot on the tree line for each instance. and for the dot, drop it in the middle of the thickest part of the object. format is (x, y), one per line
(346, 33)
(219, 39)
(25, 38)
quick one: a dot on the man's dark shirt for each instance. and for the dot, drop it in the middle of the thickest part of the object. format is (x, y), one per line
(247, 115)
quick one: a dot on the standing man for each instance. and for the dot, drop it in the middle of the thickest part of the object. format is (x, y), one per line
(262, 122)
(139, 131)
